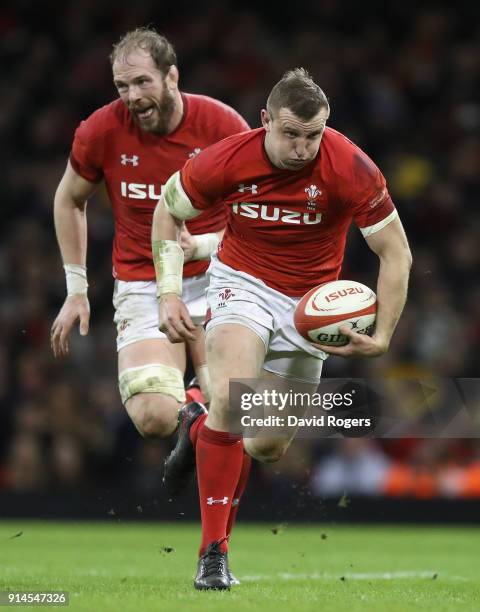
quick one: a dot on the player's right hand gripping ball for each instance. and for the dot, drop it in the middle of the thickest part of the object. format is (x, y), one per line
(324, 309)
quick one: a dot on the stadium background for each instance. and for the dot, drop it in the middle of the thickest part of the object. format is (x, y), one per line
(402, 82)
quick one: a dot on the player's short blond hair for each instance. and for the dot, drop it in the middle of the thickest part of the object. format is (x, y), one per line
(298, 92)
(149, 40)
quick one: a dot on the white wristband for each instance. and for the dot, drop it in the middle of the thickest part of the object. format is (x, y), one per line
(205, 245)
(76, 277)
(168, 260)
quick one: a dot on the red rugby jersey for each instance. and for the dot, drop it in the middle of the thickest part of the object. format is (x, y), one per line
(288, 228)
(135, 164)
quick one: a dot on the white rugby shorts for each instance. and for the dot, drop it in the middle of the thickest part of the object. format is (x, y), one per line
(136, 308)
(237, 297)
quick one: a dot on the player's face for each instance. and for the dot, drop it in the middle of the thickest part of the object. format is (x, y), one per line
(148, 94)
(291, 143)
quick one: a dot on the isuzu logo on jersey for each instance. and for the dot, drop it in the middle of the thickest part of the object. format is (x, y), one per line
(268, 212)
(124, 159)
(139, 191)
(242, 188)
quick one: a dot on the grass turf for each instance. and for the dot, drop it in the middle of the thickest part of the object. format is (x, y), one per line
(122, 567)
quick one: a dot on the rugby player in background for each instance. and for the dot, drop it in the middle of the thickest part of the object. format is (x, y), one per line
(133, 145)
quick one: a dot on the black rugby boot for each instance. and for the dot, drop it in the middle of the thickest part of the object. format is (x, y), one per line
(180, 463)
(212, 570)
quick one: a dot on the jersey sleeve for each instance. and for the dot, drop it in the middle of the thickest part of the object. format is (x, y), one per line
(373, 208)
(203, 177)
(86, 156)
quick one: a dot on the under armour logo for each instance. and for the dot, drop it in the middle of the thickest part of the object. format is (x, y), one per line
(242, 188)
(195, 152)
(124, 159)
(211, 501)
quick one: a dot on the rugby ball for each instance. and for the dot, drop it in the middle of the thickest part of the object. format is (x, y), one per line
(325, 308)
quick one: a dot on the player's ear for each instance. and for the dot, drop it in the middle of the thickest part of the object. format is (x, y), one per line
(265, 117)
(171, 78)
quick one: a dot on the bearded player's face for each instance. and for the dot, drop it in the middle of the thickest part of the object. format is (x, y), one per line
(148, 94)
(290, 142)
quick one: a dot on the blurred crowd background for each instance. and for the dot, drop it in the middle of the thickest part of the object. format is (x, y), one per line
(403, 82)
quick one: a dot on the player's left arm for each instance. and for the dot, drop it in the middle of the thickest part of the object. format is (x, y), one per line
(168, 258)
(391, 246)
(174, 207)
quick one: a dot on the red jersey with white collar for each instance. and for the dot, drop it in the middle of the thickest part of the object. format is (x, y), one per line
(134, 164)
(288, 228)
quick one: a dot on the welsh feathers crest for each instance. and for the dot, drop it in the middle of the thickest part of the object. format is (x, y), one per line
(313, 192)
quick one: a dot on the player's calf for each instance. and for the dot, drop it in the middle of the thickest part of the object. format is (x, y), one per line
(220, 413)
(266, 450)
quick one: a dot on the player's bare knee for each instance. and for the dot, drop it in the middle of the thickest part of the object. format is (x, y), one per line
(154, 415)
(265, 450)
(152, 395)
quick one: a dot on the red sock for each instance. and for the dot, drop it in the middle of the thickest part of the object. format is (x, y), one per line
(219, 463)
(194, 394)
(237, 496)
(194, 429)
